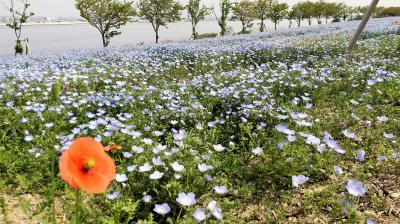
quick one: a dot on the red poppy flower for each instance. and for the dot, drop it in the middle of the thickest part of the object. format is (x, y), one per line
(86, 166)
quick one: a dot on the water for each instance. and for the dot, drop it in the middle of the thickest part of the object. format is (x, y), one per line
(53, 38)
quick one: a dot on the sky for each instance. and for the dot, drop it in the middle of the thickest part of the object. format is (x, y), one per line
(66, 8)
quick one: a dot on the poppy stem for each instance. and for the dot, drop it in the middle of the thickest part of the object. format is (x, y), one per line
(53, 189)
(77, 206)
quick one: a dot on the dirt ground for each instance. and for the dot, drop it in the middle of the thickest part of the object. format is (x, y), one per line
(19, 209)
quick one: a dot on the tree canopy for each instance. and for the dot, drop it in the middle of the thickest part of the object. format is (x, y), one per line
(244, 12)
(107, 16)
(196, 12)
(160, 12)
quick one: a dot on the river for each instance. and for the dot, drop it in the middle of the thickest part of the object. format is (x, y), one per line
(57, 37)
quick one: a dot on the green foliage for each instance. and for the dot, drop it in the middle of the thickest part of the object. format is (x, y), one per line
(196, 12)
(19, 17)
(107, 16)
(244, 11)
(387, 11)
(207, 35)
(225, 7)
(262, 9)
(160, 12)
(19, 49)
(56, 92)
(279, 12)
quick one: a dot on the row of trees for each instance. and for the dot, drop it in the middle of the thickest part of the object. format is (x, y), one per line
(108, 16)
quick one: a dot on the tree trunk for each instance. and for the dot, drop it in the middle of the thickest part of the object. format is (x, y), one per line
(223, 29)
(298, 22)
(157, 37)
(104, 39)
(243, 27)
(194, 33)
(309, 21)
(275, 24)
(262, 26)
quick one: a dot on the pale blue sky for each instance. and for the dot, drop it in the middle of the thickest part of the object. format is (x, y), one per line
(66, 8)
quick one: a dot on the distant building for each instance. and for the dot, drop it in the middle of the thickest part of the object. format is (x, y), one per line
(5, 19)
(50, 19)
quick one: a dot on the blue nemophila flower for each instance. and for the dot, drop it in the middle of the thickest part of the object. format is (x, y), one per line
(147, 141)
(127, 155)
(199, 215)
(177, 167)
(382, 118)
(179, 136)
(332, 144)
(113, 196)
(215, 210)
(157, 161)
(338, 170)
(28, 138)
(137, 149)
(159, 148)
(131, 168)
(370, 221)
(204, 167)
(291, 138)
(162, 209)
(257, 151)
(24, 120)
(389, 135)
(219, 148)
(156, 175)
(145, 167)
(355, 188)
(121, 177)
(381, 158)
(158, 133)
(186, 199)
(284, 129)
(147, 198)
(298, 180)
(312, 140)
(221, 190)
(349, 134)
(360, 156)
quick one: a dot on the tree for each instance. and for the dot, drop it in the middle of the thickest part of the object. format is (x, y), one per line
(318, 10)
(225, 6)
(306, 9)
(291, 16)
(19, 17)
(298, 14)
(278, 12)
(262, 9)
(160, 12)
(244, 12)
(196, 12)
(344, 11)
(329, 10)
(107, 16)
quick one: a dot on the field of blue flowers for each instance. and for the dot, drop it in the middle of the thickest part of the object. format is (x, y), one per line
(278, 127)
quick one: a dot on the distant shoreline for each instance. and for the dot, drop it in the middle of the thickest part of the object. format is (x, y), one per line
(49, 23)
(77, 22)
